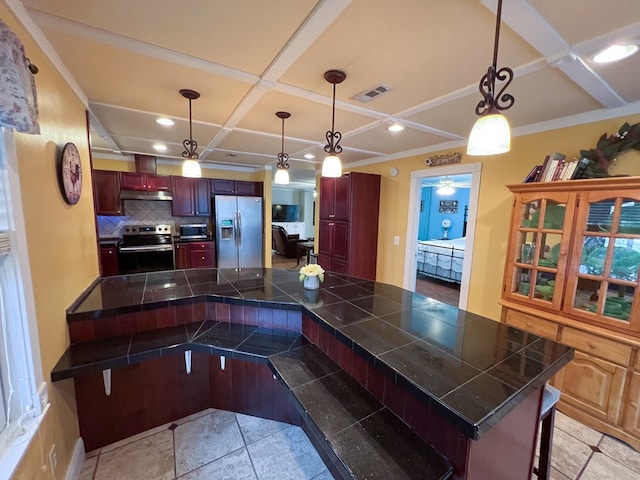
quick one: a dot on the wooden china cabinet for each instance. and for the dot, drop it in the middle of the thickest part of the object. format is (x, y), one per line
(572, 274)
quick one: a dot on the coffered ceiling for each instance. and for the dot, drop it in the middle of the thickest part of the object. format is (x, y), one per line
(251, 58)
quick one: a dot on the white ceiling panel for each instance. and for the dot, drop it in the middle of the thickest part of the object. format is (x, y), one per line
(252, 58)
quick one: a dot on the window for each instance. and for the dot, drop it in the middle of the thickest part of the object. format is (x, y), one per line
(18, 396)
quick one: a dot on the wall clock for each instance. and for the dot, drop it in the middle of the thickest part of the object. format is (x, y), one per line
(71, 174)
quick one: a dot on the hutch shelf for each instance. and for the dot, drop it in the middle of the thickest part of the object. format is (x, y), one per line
(572, 274)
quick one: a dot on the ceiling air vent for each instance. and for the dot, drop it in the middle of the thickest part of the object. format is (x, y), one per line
(372, 93)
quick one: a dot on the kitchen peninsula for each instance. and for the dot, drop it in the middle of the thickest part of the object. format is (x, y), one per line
(147, 349)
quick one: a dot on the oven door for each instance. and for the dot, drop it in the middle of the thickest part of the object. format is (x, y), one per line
(145, 258)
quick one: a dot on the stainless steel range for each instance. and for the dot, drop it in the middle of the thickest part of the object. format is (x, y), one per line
(145, 248)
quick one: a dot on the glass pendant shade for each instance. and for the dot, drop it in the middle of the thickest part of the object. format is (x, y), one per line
(191, 168)
(331, 167)
(282, 177)
(490, 135)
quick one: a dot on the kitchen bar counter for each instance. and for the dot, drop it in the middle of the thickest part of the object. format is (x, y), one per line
(466, 370)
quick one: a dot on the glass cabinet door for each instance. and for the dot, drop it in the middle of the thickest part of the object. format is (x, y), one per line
(604, 278)
(540, 248)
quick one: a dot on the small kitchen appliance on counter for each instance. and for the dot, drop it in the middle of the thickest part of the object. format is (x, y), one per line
(145, 248)
(193, 231)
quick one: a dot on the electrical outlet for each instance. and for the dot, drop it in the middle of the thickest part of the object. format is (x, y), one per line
(396, 240)
(53, 460)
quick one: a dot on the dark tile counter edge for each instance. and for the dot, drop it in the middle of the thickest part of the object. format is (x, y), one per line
(473, 429)
(83, 295)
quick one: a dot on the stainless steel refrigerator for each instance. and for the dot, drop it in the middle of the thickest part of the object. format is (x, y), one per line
(239, 241)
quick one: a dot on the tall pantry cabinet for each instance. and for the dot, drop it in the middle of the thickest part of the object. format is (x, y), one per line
(348, 230)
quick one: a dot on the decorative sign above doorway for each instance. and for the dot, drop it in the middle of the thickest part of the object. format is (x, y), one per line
(446, 159)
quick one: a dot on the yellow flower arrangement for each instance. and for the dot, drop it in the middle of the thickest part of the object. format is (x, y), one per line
(312, 270)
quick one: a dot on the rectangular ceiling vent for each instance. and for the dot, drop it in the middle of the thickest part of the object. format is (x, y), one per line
(372, 93)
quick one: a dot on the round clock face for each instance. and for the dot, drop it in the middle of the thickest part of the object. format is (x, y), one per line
(71, 173)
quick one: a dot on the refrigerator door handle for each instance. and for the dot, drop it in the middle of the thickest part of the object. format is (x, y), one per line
(239, 229)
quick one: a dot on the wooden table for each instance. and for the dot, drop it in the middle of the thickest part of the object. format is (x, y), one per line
(303, 248)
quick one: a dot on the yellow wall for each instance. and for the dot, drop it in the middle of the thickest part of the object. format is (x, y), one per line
(61, 245)
(494, 204)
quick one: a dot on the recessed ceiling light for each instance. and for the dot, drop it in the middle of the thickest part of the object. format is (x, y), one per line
(159, 147)
(615, 53)
(395, 127)
(309, 156)
(167, 122)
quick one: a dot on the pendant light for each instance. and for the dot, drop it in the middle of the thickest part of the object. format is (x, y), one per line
(191, 166)
(331, 167)
(282, 174)
(491, 133)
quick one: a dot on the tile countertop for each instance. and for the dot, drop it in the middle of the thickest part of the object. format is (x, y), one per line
(474, 370)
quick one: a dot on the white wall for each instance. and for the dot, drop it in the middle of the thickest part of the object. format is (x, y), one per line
(304, 199)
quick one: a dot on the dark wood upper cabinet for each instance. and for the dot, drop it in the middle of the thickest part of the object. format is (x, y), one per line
(106, 192)
(348, 230)
(191, 196)
(236, 187)
(145, 181)
(202, 196)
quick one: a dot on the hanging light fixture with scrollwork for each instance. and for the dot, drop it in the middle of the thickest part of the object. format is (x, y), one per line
(191, 166)
(491, 133)
(282, 174)
(331, 167)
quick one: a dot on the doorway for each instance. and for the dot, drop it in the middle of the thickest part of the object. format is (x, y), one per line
(413, 222)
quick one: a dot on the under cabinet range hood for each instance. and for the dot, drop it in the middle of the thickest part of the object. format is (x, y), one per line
(145, 195)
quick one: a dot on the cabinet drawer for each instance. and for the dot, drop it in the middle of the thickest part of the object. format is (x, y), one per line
(535, 325)
(203, 246)
(595, 345)
(203, 258)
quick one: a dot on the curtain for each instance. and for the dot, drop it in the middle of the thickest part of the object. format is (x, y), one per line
(18, 99)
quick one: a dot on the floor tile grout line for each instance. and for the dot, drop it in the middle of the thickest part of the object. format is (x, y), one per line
(255, 472)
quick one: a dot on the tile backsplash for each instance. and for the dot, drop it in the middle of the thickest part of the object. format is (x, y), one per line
(141, 212)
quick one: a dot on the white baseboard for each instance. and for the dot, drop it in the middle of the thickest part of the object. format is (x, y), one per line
(77, 459)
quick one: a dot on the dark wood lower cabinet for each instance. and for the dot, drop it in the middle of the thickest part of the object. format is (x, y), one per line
(159, 391)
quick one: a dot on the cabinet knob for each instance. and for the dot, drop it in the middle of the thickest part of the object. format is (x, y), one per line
(633, 404)
(202, 258)
(529, 324)
(592, 345)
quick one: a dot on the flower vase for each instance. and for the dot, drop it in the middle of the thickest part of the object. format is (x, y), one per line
(311, 283)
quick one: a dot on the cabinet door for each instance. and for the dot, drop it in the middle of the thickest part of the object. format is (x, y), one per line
(631, 414)
(106, 192)
(538, 249)
(603, 279)
(158, 182)
(134, 181)
(109, 261)
(325, 239)
(342, 202)
(182, 189)
(340, 242)
(222, 187)
(594, 386)
(183, 256)
(327, 200)
(251, 189)
(202, 196)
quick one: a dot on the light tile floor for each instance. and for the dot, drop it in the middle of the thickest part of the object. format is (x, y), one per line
(580, 453)
(210, 445)
(214, 444)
